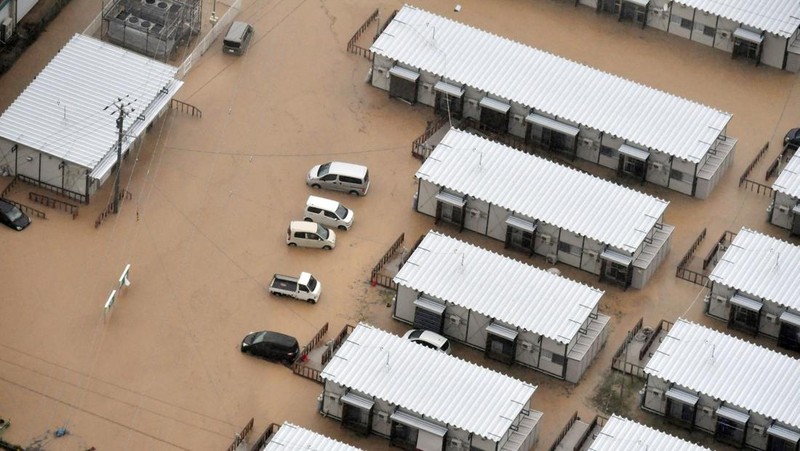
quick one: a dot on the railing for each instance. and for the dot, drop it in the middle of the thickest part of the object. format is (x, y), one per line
(326, 356)
(11, 185)
(418, 147)
(262, 440)
(686, 274)
(307, 372)
(314, 342)
(184, 107)
(726, 237)
(619, 356)
(28, 210)
(124, 194)
(352, 47)
(663, 325)
(752, 164)
(759, 188)
(82, 198)
(383, 280)
(240, 437)
(54, 203)
(564, 431)
(209, 39)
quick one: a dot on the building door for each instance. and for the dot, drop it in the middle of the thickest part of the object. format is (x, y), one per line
(403, 436)
(795, 223)
(746, 49)
(451, 106)
(609, 6)
(789, 334)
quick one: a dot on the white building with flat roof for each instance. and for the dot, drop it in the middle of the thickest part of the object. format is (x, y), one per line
(541, 207)
(743, 394)
(554, 104)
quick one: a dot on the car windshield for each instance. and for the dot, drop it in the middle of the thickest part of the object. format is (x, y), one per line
(14, 214)
(322, 232)
(324, 169)
(341, 211)
(259, 337)
(312, 283)
(446, 346)
(416, 334)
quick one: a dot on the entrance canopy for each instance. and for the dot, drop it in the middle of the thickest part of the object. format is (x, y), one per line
(747, 35)
(634, 152)
(546, 122)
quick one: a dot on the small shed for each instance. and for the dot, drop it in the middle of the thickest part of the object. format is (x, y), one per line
(514, 312)
(540, 207)
(743, 394)
(61, 132)
(551, 103)
(755, 286)
(423, 399)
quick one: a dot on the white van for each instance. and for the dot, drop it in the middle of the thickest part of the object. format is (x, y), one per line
(310, 234)
(338, 176)
(237, 39)
(328, 212)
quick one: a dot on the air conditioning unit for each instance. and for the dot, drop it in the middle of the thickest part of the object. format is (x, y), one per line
(518, 118)
(721, 299)
(759, 430)
(657, 166)
(427, 86)
(656, 392)
(455, 319)
(526, 345)
(474, 212)
(552, 259)
(587, 142)
(383, 416)
(455, 443)
(783, 209)
(724, 34)
(546, 239)
(771, 318)
(6, 29)
(707, 410)
(591, 254)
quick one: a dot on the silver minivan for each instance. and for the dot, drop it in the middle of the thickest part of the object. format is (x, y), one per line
(328, 212)
(237, 38)
(338, 176)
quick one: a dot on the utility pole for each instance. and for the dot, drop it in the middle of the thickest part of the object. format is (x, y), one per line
(122, 112)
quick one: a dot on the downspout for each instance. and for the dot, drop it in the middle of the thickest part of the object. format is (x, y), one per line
(14, 150)
(566, 362)
(694, 180)
(599, 152)
(694, 14)
(86, 192)
(488, 217)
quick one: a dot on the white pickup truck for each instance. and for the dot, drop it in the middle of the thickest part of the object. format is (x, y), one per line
(305, 287)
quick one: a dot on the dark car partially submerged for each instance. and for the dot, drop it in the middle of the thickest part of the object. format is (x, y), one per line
(792, 138)
(12, 216)
(273, 346)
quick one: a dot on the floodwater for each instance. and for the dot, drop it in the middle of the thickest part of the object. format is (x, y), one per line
(212, 196)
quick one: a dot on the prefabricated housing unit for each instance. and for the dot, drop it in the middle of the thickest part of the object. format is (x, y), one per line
(743, 394)
(619, 434)
(514, 312)
(763, 31)
(290, 437)
(541, 207)
(423, 399)
(785, 208)
(552, 103)
(61, 132)
(755, 288)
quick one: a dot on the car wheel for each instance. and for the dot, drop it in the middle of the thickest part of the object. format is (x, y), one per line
(354, 192)
(316, 186)
(341, 227)
(293, 244)
(307, 219)
(311, 301)
(327, 248)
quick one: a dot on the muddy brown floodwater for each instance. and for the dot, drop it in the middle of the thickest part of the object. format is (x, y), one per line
(212, 196)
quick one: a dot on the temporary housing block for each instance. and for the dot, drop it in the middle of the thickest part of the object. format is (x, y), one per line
(423, 399)
(514, 312)
(290, 437)
(541, 207)
(743, 394)
(61, 132)
(764, 31)
(553, 103)
(622, 434)
(785, 208)
(755, 288)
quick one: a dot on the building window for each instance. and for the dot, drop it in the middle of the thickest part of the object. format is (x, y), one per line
(568, 248)
(519, 239)
(608, 151)
(709, 31)
(558, 359)
(686, 23)
(683, 413)
(789, 336)
(452, 214)
(681, 176)
(634, 167)
(494, 120)
(780, 438)
(729, 431)
(501, 343)
(617, 273)
(744, 319)
(780, 444)
(355, 418)
(403, 436)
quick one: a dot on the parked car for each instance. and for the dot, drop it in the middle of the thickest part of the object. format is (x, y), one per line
(792, 138)
(273, 346)
(328, 212)
(338, 176)
(237, 39)
(310, 234)
(12, 216)
(305, 287)
(429, 339)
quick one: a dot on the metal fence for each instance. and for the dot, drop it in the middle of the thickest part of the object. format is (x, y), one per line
(682, 272)
(209, 39)
(54, 203)
(352, 47)
(242, 436)
(383, 280)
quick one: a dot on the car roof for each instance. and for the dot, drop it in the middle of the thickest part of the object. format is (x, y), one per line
(353, 170)
(236, 30)
(6, 205)
(280, 339)
(321, 202)
(304, 226)
(432, 337)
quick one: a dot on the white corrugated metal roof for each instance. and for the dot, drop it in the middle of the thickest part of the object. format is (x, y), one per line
(788, 181)
(761, 266)
(430, 383)
(543, 190)
(729, 369)
(551, 84)
(499, 287)
(622, 434)
(780, 17)
(294, 438)
(61, 112)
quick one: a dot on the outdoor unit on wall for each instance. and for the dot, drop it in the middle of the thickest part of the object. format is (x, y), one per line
(518, 118)
(552, 259)
(474, 212)
(546, 239)
(656, 392)
(472, 102)
(657, 166)
(721, 299)
(427, 86)
(455, 319)
(771, 318)
(383, 416)
(455, 443)
(707, 410)
(592, 254)
(6, 29)
(526, 345)
(759, 430)
(783, 209)
(587, 142)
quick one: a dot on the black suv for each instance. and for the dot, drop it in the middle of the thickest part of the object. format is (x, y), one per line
(792, 139)
(273, 346)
